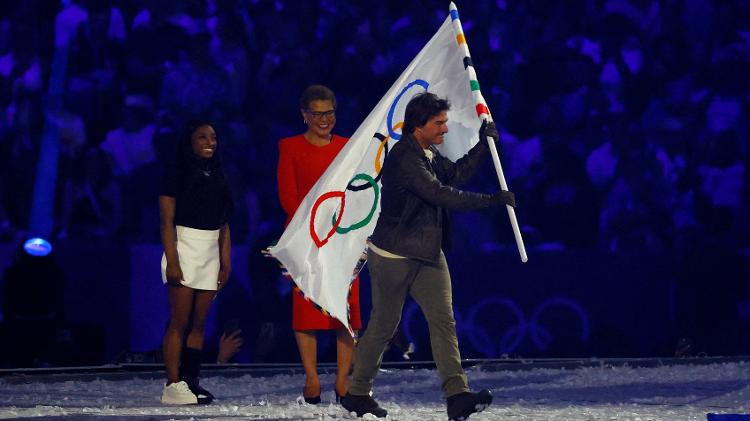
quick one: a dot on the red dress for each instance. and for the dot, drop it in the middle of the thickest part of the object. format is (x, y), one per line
(300, 165)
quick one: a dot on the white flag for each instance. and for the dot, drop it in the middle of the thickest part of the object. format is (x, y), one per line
(322, 245)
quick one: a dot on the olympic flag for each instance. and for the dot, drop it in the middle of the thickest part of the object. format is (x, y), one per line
(322, 247)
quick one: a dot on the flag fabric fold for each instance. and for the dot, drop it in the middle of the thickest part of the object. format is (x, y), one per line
(322, 247)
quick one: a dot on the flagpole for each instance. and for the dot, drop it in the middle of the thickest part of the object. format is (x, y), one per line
(484, 112)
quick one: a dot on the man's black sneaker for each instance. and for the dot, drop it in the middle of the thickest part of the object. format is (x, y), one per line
(462, 405)
(362, 405)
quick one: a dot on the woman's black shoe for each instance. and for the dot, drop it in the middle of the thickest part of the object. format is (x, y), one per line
(313, 400)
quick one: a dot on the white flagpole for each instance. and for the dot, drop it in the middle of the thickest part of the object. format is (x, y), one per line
(484, 111)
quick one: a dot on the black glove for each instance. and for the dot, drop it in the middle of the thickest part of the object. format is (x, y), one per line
(488, 129)
(503, 197)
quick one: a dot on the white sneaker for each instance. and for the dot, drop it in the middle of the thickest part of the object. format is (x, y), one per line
(178, 394)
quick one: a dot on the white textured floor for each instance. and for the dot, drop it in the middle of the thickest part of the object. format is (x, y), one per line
(681, 392)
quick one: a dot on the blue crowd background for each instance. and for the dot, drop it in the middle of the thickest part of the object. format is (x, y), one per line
(624, 122)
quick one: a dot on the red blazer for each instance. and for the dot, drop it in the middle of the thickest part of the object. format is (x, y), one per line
(300, 165)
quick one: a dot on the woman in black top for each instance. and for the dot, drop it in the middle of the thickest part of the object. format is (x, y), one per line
(194, 206)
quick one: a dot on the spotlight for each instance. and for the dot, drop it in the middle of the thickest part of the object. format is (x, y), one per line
(37, 247)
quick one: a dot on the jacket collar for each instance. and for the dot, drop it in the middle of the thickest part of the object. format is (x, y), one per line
(412, 142)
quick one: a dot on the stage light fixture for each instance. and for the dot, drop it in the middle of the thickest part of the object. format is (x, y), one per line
(37, 247)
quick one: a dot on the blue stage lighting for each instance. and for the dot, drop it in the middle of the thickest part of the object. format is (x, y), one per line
(37, 247)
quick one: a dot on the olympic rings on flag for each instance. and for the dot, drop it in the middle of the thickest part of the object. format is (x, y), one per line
(391, 128)
(369, 182)
(331, 194)
(335, 220)
(383, 148)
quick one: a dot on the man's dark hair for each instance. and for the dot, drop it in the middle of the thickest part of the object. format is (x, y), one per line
(316, 93)
(421, 109)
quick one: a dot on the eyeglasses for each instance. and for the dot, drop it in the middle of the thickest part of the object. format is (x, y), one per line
(320, 114)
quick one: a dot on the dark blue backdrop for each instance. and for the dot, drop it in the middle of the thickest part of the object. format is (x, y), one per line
(624, 135)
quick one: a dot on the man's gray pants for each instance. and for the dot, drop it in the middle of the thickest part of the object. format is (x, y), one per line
(430, 286)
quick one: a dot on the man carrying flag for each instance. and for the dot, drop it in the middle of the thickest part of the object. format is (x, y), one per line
(405, 252)
(401, 153)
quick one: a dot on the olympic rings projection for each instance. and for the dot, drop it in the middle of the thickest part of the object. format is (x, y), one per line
(486, 339)
(368, 181)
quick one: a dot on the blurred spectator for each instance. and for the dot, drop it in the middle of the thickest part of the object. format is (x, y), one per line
(131, 145)
(92, 200)
(229, 346)
(223, 352)
(195, 84)
(133, 156)
(582, 89)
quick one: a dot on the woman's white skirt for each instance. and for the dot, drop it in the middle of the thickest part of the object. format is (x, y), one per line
(198, 251)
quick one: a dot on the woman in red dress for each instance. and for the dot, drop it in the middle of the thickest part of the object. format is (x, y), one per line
(302, 160)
